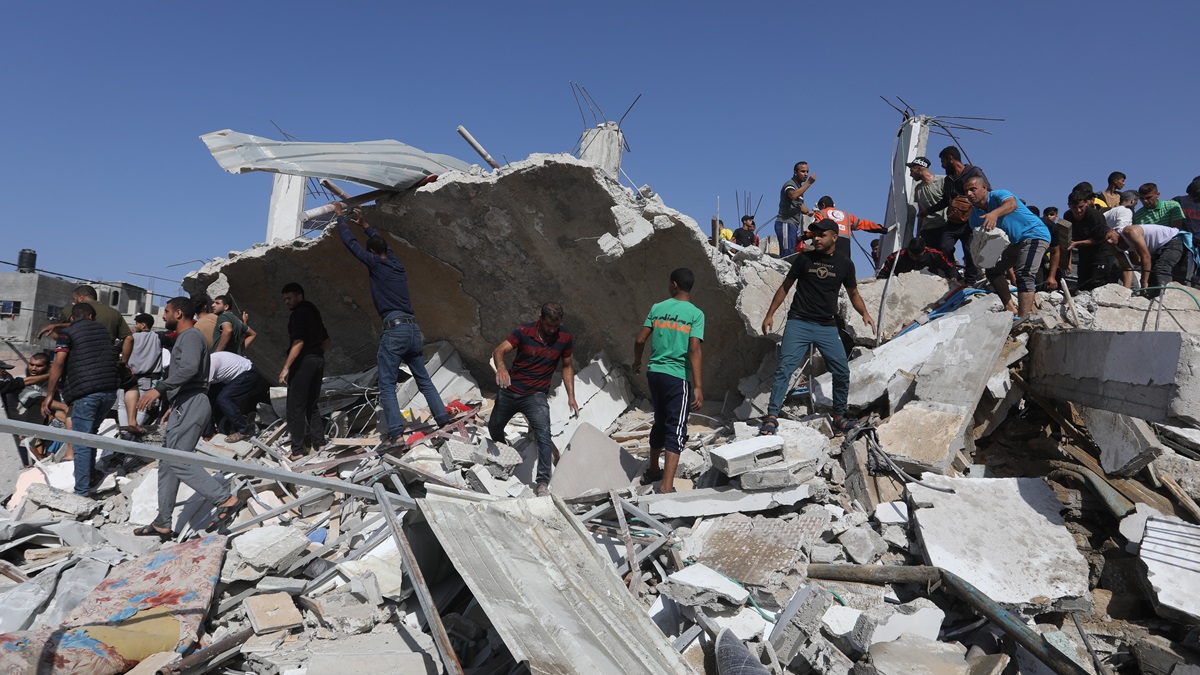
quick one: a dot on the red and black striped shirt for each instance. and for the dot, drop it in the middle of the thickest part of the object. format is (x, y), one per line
(536, 360)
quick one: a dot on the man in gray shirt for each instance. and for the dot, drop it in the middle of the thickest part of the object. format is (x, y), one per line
(792, 211)
(185, 387)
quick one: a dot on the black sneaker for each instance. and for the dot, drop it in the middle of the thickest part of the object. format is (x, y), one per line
(651, 476)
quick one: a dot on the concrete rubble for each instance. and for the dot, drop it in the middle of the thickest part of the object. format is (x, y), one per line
(1048, 467)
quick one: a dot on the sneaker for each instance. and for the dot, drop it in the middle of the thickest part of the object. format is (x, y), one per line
(652, 475)
(542, 490)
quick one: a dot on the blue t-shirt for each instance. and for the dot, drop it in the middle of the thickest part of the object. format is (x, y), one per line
(1020, 225)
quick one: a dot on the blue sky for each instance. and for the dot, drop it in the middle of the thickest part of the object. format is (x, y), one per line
(105, 102)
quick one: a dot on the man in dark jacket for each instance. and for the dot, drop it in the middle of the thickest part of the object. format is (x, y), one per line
(303, 371)
(84, 352)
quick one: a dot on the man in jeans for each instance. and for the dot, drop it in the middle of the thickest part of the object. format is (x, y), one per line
(539, 346)
(84, 351)
(402, 341)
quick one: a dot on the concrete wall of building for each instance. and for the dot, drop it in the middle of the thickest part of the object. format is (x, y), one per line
(37, 293)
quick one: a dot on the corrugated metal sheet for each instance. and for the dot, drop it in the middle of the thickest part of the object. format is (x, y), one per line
(378, 164)
(548, 590)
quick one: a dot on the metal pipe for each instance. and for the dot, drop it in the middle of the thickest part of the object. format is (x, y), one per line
(351, 202)
(335, 189)
(189, 458)
(1117, 504)
(875, 574)
(409, 562)
(278, 511)
(462, 131)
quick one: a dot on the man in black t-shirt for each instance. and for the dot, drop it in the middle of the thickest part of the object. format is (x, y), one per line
(1088, 229)
(818, 275)
(303, 371)
(745, 235)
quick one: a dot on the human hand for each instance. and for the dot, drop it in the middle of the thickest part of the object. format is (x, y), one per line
(339, 208)
(503, 379)
(812, 178)
(573, 405)
(768, 325)
(697, 398)
(283, 376)
(870, 324)
(637, 367)
(146, 399)
(989, 220)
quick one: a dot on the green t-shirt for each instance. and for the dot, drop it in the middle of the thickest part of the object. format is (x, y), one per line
(106, 316)
(672, 324)
(1165, 213)
(239, 332)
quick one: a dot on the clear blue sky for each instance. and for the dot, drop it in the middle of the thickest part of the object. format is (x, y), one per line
(104, 102)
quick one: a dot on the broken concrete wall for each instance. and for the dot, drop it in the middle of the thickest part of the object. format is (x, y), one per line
(483, 252)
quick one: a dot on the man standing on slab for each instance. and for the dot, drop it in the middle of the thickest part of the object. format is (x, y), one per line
(303, 371)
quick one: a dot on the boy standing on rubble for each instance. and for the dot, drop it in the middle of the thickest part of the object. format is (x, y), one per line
(675, 329)
(812, 321)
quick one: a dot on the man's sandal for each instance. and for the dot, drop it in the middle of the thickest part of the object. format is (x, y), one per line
(224, 516)
(769, 426)
(844, 425)
(152, 531)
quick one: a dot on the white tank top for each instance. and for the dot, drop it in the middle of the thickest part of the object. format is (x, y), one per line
(1156, 236)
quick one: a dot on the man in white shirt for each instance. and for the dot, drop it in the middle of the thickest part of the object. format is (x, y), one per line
(235, 386)
(1122, 214)
(1163, 253)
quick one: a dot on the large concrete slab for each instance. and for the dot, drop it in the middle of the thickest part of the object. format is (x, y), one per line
(549, 591)
(1127, 444)
(592, 463)
(1004, 535)
(1170, 550)
(720, 501)
(908, 296)
(923, 437)
(756, 551)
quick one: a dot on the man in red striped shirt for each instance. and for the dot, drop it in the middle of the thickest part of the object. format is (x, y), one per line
(523, 388)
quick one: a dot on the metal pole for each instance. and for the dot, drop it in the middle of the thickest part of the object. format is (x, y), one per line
(351, 202)
(262, 518)
(462, 131)
(418, 583)
(189, 458)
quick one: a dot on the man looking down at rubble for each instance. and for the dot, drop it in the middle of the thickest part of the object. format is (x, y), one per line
(1028, 236)
(185, 387)
(812, 321)
(523, 388)
(1163, 254)
(917, 256)
(402, 340)
(675, 330)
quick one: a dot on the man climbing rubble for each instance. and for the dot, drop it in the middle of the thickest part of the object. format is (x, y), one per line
(675, 330)
(812, 321)
(402, 340)
(1028, 236)
(953, 200)
(185, 388)
(523, 388)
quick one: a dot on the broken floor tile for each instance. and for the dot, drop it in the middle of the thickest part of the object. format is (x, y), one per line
(754, 551)
(1170, 551)
(1003, 535)
(272, 612)
(892, 513)
(701, 586)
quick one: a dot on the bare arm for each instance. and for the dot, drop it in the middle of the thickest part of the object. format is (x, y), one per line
(1134, 234)
(1052, 275)
(694, 357)
(293, 354)
(503, 380)
(51, 328)
(859, 306)
(768, 323)
(992, 217)
(568, 374)
(250, 335)
(639, 347)
(226, 334)
(56, 371)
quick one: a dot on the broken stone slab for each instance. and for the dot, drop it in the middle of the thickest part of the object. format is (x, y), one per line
(1006, 536)
(738, 457)
(701, 586)
(603, 394)
(287, 585)
(1170, 551)
(61, 500)
(1127, 444)
(1182, 439)
(481, 480)
(758, 551)
(780, 476)
(721, 501)
(912, 655)
(987, 246)
(593, 463)
(819, 655)
(271, 612)
(924, 436)
(368, 654)
(892, 512)
(800, 621)
(863, 544)
(744, 622)
(266, 548)
(920, 617)
(344, 612)
(908, 296)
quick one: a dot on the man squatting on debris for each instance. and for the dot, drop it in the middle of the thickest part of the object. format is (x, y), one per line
(1028, 235)
(303, 371)
(402, 340)
(185, 387)
(675, 329)
(523, 388)
(812, 321)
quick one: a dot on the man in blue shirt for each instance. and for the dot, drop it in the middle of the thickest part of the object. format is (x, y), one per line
(1028, 236)
(402, 340)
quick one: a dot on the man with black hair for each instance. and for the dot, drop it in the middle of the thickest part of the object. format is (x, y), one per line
(1088, 228)
(1163, 254)
(957, 207)
(185, 388)
(1028, 240)
(235, 385)
(111, 319)
(303, 371)
(402, 340)
(675, 330)
(1157, 211)
(206, 321)
(84, 353)
(917, 256)
(1057, 255)
(231, 334)
(1112, 193)
(145, 362)
(745, 236)
(1190, 204)
(539, 347)
(792, 210)
(812, 321)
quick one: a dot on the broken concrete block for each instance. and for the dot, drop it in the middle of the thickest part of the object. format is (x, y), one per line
(908, 295)
(920, 617)
(923, 437)
(720, 501)
(821, 656)
(501, 459)
(745, 622)
(342, 611)
(368, 654)
(1127, 444)
(1133, 525)
(987, 246)
(736, 458)
(863, 544)
(826, 554)
(270, 547)
(895, 513)
(271, 612)
(800, 620)
(602, 393)
(61, 500)
(756, 551)
(288, 585)
(789, 473)
(1170, 551)
(1025, 559)
(1112, 295)
(912, 655)
(593, 463)
(701, 586)
(481, 480)
(456, 454)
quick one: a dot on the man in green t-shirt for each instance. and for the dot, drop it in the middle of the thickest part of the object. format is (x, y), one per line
(230, 333)
(1157, 211)
(675, 329)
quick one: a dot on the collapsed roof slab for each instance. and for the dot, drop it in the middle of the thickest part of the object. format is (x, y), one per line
(484, 251)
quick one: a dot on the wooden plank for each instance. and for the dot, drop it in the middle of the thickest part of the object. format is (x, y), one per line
(1184, 499)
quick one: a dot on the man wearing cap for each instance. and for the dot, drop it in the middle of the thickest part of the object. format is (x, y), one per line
(817, 274)
(1028, 236)
(917, 256)
(792, 210)
(957, 207)
(402, 340)
(928, 189)
(745, 235)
